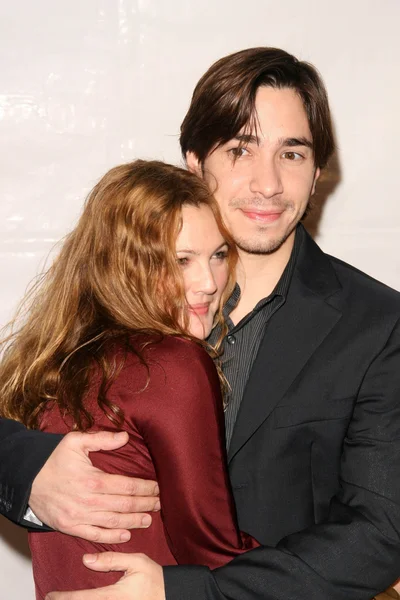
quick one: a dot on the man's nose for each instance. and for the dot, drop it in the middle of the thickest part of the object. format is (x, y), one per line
(266, 179)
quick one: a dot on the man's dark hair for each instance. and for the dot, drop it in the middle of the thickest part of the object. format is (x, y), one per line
(223, 102)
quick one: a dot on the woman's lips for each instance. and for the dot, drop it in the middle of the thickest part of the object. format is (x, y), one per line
(199, 309)
(263, 216)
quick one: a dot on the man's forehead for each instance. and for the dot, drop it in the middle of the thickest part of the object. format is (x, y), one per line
(283, 107)
(278, 118)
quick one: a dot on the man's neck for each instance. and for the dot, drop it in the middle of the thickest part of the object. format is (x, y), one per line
(258, 275)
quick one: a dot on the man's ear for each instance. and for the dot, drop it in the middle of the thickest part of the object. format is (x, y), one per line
(316, 177)
(193, 164)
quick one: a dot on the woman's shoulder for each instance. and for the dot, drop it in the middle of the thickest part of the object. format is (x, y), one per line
(143, 355)
(169, 351)
(168, 373)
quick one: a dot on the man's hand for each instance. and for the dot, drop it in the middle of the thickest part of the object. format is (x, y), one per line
(388, 595)
(70, 495)
(143, 579)
(392, 592)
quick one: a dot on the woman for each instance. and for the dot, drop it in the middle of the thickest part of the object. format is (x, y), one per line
(113, 340)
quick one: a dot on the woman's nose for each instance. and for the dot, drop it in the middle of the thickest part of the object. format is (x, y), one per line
(206, 283)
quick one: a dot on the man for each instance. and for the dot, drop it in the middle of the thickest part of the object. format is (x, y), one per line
(312, 355)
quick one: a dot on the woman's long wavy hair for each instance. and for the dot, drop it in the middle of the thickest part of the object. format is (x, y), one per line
(116, 275)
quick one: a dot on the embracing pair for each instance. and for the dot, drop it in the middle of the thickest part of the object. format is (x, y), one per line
(256, 379)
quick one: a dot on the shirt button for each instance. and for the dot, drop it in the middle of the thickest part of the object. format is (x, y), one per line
(231, 339)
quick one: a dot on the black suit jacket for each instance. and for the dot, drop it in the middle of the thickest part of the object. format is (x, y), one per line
(22, 455)
(315, 455)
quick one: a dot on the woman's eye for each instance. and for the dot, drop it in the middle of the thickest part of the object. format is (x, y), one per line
(221, 255)
(182, 261)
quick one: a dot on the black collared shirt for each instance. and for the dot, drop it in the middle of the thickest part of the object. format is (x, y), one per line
(242, 342)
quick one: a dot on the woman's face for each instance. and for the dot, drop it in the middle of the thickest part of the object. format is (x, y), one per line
(202, 254)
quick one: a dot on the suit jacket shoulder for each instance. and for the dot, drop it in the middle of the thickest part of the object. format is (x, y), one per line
(370, 289)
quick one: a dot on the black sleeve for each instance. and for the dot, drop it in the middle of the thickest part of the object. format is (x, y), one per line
(355, 554)
(23, 453)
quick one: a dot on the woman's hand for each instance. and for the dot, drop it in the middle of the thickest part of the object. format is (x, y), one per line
(143, 579)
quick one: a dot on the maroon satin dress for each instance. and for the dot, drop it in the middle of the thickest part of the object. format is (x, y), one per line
(174, 417)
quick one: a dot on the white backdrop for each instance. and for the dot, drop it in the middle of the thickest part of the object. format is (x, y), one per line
(87, 84)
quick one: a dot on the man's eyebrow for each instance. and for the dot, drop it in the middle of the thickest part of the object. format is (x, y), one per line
(247, 138)
(300, 141)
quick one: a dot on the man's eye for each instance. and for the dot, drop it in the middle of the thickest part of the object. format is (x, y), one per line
(292, 155)
(237, 152)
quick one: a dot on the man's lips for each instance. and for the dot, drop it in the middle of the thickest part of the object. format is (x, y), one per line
(199, 309)
(263, 216)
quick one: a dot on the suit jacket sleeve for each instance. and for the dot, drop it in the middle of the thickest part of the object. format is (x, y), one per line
(356, 552)
(184, 432)
(23, 453)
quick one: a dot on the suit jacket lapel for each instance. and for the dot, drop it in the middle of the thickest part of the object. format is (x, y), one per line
(291, 337)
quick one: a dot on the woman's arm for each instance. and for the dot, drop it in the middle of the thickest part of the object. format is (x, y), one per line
(184, 431)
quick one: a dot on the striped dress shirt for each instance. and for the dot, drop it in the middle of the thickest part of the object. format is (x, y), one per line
(242, 341)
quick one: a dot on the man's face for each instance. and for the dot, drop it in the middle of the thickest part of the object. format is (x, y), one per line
(264, 178)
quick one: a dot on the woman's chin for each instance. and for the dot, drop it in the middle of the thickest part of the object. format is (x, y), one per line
(199, 329)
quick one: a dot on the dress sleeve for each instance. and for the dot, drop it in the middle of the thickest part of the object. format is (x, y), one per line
(184, 431)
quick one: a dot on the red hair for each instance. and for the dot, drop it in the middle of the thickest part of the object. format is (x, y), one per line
(104, 286)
